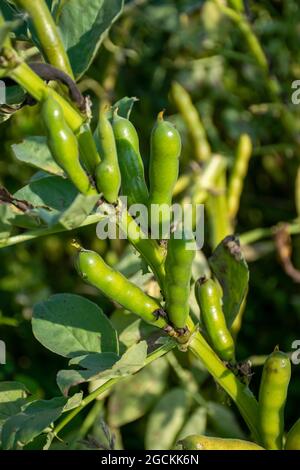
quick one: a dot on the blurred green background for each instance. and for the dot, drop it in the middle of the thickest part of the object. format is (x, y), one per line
(152, 44)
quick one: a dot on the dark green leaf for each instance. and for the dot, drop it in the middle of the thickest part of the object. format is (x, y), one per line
(230, 268)
(124, 106)
(12, 397)
(83, 25)
(34, 418)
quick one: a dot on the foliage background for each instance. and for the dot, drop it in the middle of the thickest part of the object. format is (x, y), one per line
(152, 44)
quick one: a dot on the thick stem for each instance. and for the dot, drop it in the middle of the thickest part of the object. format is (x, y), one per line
(238, 392)
(47, 33)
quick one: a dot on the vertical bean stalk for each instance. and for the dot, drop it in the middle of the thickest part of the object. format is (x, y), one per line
(47, 33)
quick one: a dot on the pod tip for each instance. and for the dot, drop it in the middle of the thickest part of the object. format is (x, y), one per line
(160, 116)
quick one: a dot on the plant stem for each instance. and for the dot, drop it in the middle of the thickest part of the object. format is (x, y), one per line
(252, 236)
(159, 352)
(239, 393)
(47, 33)
(34, 85)
(32, 234)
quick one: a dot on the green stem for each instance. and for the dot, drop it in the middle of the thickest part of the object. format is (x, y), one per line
(252, 236)
(47, 33)
(37, 88)
(32, 234)
(239, 393)
(159, 352)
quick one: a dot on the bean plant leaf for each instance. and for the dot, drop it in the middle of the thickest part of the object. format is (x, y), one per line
(230, 268)
(124, 106)
(35, 152)
(222, 421)
(166, 419)
(135, 395)
(53, 194)
(6, 28)
(102, 366)
(12, 397)
(54, 201)
(33, 419)
(70, 325)
(83, 25)
(195, 424)
(5, 226)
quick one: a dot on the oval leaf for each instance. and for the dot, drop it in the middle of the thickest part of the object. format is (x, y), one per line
(71, 326)
(166, 420)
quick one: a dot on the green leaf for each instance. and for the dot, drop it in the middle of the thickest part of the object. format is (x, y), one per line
(5, 226)
(102, 366)
(78, 211)
(35, 152)
(71, 326)
(12, 397)
(34, 418)
(135, 395)
(56, 202)
(196, 423)
(6, 28)
(130, 329)
(166, 420)
(222, 420)
(124, 106)
(83, 25)
(53, 193)
(230, 268)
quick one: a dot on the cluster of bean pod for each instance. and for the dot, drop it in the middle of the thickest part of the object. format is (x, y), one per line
(118, 167)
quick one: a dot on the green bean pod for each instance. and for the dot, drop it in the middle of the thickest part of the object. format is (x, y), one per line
(272, 397)
(192, 121)
(93, 269)
(195, 442)
(293, 437)
(88, 149)
(108, 176)
(64, 146)
(178, 267)
(131, 165)
(209, 300)
(164, 166)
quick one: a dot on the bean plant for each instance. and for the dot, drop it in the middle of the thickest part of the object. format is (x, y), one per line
(149, 307)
